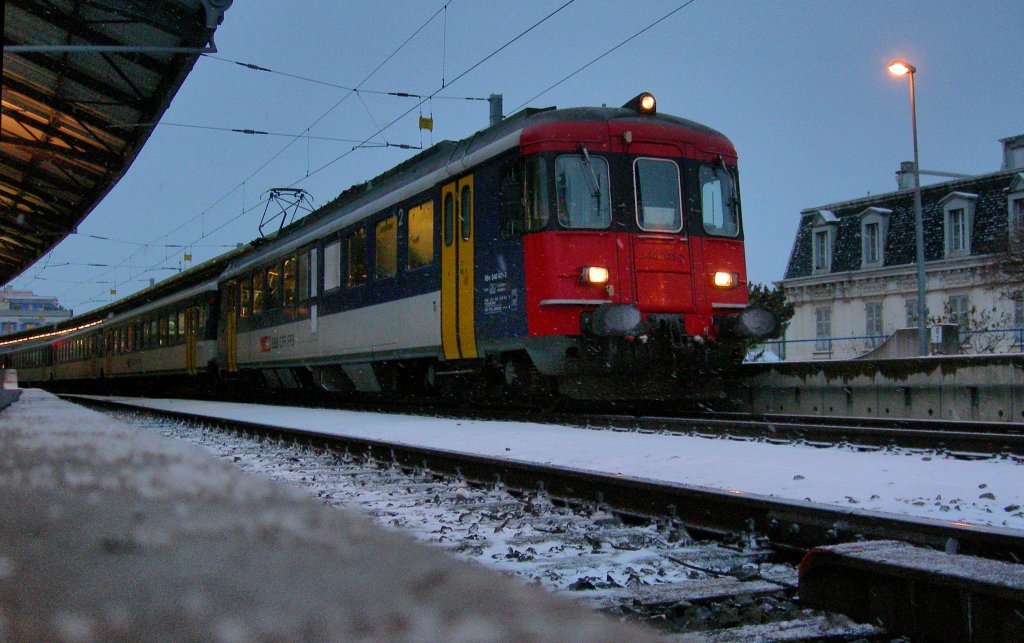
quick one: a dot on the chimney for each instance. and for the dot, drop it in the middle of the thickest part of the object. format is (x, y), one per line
(1013, 152)
(905, 176)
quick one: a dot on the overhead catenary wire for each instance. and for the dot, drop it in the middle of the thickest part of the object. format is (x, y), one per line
(285, 147)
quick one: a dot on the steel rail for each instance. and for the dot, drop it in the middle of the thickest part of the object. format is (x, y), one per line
(978, 440)
(788, 524)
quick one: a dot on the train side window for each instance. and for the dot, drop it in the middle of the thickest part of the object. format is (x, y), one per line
(448, 216)
(291, 280)
(154, 336)
(273, 287)
(332, 266)
(172, 328)
(130, 344)
(357, 257)
(581, 188)
(162, 330)
(420, 229)
(718, 201)
(386, 257)
(466, 213)
(657, 195)
(181, 323)
(245, 296)
(258, 299)
(302, 276)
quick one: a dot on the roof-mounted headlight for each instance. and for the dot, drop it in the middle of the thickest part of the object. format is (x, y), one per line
(643, 103)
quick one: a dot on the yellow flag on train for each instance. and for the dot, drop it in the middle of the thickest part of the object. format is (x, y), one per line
(426, 123)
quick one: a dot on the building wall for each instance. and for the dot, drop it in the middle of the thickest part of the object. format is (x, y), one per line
(829, 267)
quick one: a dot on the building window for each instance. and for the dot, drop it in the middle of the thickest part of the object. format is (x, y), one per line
(872, 241)
(1018, 313)
(873, 324)
(958, 214)
(958, 311)
(822, 328)
(957, 226)
(821, 250)
(910, 306)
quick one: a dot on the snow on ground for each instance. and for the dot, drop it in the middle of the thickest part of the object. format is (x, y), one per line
(984, 492)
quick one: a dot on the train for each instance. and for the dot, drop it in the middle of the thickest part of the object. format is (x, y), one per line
(581, 253)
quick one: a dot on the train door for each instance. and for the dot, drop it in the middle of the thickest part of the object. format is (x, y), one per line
(190, 340)
(458, 328)
(231, 304)
(660, 250)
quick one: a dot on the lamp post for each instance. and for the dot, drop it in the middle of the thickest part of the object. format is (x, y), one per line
(903, 68)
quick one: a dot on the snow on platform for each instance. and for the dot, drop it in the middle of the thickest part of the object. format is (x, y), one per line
(108, 533)
(981, 492)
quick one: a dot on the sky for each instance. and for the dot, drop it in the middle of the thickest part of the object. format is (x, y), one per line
(800, 88)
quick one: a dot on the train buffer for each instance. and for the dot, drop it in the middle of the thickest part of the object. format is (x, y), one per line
(923, 593)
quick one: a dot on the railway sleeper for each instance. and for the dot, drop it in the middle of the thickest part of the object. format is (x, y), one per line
(922, 593)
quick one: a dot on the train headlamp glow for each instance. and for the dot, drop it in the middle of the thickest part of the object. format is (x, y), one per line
(643, 103)
(594, 275)
(726, 279)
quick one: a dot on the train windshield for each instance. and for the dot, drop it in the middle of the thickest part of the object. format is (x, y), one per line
(718, 201)
(657, 195)
(581, 183)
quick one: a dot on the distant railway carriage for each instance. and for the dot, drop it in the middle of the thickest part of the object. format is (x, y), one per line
(596, 252)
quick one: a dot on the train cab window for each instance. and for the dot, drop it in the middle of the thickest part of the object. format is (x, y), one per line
(718, 201)
(448, 219)
(258, 298)
(581, 188)
(291, 280)
(386, 256)
(302, 276)
(332, 266)
(204, 314)
(273, 287)
(357, 257)
(657, 195)
(420, 229)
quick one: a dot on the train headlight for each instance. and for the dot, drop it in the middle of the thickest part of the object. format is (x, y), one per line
(726, 279)
(594, 275)
(643, 103)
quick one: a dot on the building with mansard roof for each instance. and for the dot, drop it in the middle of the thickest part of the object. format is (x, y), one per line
(853, 278)
(22, 310)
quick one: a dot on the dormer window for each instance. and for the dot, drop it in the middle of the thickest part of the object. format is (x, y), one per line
(874, 226)
(958, 218)
(823, 236)
(1015, 205)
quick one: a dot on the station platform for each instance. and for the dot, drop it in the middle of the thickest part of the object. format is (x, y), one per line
(107, 533)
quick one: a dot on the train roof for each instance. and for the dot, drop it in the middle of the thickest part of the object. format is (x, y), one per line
(442, 160)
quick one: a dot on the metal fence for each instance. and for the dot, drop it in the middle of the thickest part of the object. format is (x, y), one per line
(980, 341)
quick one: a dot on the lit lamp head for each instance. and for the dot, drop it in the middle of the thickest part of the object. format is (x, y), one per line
(643, 103)
(901, 68)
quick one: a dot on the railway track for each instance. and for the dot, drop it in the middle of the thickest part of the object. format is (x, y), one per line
(648, 570)
(625, 514)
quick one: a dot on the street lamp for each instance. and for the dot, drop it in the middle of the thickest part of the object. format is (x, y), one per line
(903, 68)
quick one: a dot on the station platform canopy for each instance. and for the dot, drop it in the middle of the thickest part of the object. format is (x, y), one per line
(84, 82)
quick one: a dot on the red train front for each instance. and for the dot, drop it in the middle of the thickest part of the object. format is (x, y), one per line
(628, 224)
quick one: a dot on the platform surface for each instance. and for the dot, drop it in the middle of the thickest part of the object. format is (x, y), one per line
(107, 533)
